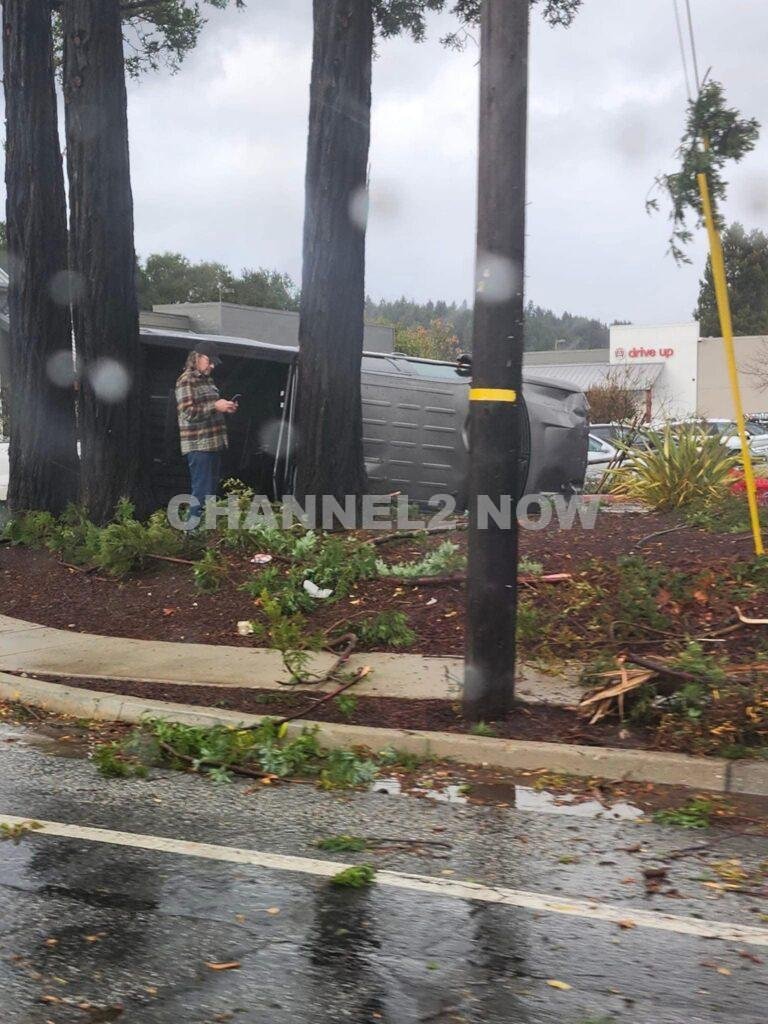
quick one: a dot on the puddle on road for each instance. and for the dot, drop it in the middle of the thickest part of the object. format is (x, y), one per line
(56, 742)
(522, 798)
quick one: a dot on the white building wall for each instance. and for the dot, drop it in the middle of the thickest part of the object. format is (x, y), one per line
(715, 399)
(674, 345)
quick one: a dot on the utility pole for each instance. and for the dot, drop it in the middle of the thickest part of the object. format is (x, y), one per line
(494, 475)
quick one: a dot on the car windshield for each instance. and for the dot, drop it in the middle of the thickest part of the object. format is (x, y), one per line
(731, 430)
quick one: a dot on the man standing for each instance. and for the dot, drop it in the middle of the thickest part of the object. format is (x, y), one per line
(202, 427)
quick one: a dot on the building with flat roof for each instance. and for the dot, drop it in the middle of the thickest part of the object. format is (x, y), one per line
(673, 370)
(273, 326)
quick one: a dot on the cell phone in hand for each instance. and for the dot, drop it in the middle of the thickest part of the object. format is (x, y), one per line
(236, 398)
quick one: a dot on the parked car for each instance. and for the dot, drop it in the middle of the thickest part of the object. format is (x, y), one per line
(620, 434)
(728, 433)
(600, 455)
(414, 416)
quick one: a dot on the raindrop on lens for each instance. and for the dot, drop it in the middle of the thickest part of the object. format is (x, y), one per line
(110, 380)
(61, 368)
(497, 278)
(358, 208)
(269, 436)
(67, 286)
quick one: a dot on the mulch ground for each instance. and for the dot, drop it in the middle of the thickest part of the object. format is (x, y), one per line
(163, 604)
(527, 722)
(539, 722)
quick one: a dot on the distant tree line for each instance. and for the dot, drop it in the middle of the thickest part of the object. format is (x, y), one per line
(448, 326)
(432, 329)
(170, 277)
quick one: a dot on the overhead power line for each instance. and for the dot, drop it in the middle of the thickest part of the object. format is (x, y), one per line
(692, 35)
(683, 54)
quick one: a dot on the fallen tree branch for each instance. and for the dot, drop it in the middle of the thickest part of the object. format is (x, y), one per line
(434, 581)
(170, 558)
(389, 538)
(659, 533)
(236, 769)
(86, 570)
(351, 642)
(361, 673)
(662, 669)
(750, 622)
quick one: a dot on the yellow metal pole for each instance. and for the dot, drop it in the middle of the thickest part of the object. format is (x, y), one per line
(726, 325)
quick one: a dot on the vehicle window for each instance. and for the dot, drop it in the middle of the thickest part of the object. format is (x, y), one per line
(435, 371)
(604, 433)
(595, 445)
(372, 364)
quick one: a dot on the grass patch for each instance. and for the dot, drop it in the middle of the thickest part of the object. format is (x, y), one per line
(483, 729)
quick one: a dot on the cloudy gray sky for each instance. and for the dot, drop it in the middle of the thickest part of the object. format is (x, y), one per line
(218, 152)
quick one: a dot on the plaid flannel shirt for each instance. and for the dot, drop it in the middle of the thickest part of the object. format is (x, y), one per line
(201, 427)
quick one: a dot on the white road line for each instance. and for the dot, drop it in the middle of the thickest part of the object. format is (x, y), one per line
(424, 884)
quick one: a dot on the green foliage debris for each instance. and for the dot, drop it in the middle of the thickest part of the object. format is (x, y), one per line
(696, 813)
(15, 833)
(357, 877)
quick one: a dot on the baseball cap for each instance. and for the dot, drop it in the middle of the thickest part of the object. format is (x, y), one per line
(208, 348)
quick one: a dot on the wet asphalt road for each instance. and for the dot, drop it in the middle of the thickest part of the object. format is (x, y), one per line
(92, 932)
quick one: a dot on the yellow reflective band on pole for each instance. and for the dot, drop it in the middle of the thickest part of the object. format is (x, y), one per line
(492, 395)
(726, 325)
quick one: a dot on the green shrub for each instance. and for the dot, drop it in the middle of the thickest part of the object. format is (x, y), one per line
(637, 596)
(527, 567)
(529, 622)
(210, 571)
(387, 628)
(726, 514)
(683, 465)
(31, 529)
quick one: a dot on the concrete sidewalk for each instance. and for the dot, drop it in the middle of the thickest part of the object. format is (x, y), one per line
(27, 647)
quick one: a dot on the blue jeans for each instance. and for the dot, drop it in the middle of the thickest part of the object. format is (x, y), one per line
(205, 473)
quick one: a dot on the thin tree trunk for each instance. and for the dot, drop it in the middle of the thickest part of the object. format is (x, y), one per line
(330, 458)
(43, 455)
(106, 318)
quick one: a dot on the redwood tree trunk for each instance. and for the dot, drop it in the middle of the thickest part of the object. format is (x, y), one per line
(43, 455)
(102, 255)
(330, 457)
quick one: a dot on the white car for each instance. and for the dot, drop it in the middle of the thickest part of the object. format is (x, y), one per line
(4, 469)
(599, 455)
(728, 433)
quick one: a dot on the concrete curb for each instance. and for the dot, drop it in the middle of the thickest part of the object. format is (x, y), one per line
(43, 650)
(704, 773)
